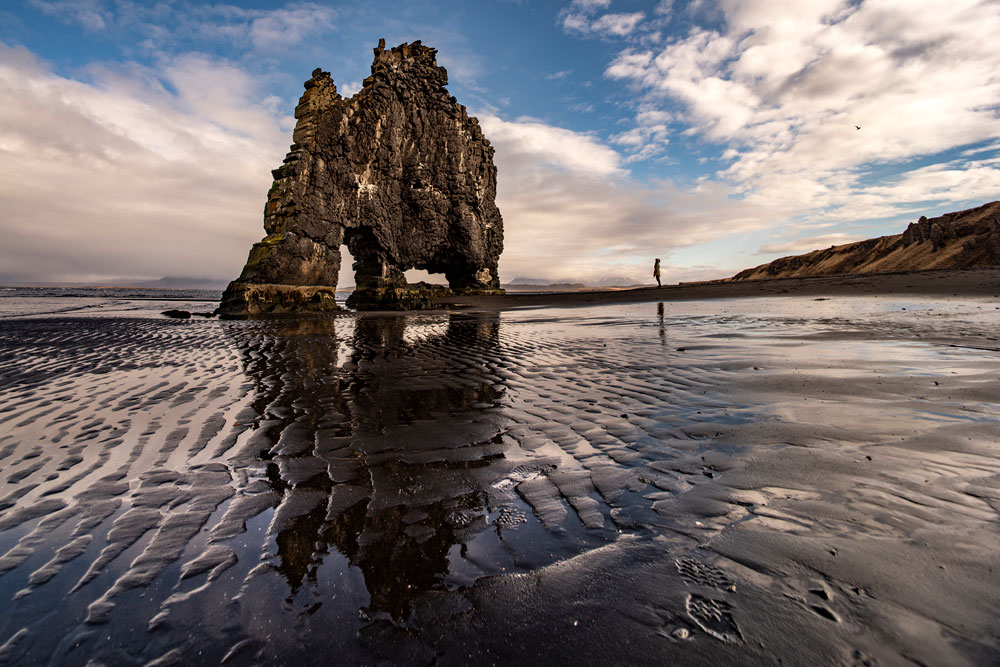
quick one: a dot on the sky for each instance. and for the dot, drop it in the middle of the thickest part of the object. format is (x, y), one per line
(137, 138)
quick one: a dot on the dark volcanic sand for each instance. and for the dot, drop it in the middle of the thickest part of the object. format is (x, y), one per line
(947, 282)
(745, 481)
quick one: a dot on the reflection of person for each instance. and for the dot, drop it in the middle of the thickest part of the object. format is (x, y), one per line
(663, 333)
(656, 272)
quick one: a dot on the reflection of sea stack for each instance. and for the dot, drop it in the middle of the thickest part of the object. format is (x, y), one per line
(400, 173)
(394, 476)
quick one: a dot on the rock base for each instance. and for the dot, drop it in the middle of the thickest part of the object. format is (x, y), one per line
(421, 296)
(241, 300)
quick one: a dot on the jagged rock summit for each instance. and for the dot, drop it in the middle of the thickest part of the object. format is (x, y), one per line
(959, 240)
(400, 173)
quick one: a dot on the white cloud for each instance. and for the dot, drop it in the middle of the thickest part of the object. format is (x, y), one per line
(784, 89)
(576, 23)
(145, 173)
(664, 7)
(591, 5)
(798, 246)
(349, 89)
(554, 147)
(121, 176)
(91, 14)
(163, 25)
(290, 25)
(617, 25)
(571, 211)
(649, 137)
(630, 65)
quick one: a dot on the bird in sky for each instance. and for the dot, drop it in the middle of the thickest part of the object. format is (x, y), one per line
(857, 127)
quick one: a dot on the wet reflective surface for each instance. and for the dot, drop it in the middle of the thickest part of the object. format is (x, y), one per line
(706, 481)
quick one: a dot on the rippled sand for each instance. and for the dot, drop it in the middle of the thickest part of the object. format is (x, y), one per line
(727, 482)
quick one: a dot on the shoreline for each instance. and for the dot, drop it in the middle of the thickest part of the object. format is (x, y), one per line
(948, 283)
(979, 282)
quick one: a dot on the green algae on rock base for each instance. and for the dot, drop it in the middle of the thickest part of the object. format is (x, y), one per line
(419, 296)
(249, 300)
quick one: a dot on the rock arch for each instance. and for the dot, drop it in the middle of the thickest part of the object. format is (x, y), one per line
(399, 172)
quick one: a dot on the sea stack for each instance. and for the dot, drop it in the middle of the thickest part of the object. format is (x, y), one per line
(400, 173)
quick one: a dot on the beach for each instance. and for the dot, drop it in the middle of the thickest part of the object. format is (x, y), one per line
(794, 472)
(980, 282)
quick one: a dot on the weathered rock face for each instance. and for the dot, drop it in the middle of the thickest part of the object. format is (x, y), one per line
(400, 173)
(963, 239)
(978, 229)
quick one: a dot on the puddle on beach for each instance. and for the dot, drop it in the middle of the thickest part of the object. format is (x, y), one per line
(736, 481)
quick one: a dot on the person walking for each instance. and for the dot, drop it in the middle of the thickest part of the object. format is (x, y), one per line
(656, 272)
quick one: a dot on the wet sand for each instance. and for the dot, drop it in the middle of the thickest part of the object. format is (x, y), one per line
(803, 480)
(981, 282)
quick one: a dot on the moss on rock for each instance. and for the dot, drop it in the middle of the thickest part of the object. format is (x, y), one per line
(255, 299)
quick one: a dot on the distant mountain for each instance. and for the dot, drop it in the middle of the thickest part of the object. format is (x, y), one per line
(611, 281)
(168, 282)
(545, 287)
(618, 281)
(175, 282)
(964, 239)
(532, 281)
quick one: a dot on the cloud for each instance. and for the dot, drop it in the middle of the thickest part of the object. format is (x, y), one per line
(145, 172)
(649, 137)
(163, 26)
(799, 246)
(576, 23)
(783, 90)
(572, 211)
(123, 177)
(618, 25)
(559, 75)
(350, 89)
(290, 25)
(552, 147)
(579, 18)
(664, 7)
(91, 14)
(591, 5)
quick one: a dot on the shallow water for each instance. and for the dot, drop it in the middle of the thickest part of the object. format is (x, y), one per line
(738, 482)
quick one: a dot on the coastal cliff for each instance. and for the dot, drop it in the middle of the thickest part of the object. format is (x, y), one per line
(963, 239)
(399, 172)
